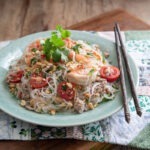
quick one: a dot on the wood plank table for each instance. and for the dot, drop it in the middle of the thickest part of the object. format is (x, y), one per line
(102, 22)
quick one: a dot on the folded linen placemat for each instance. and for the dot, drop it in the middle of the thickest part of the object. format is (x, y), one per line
(113, 129)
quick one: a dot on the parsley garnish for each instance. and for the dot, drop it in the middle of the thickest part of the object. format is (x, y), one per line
(64, 33)
(64, 54)
(60, 79)
(115, 86)
(59, 68)
(33, 49)
(64, 87)
(91, 71)
(33, 61)
(103, 58)
(51, 90)
(28, 74)
(91, 54)
(54, 46)
(76, 48)
(38, 70)
(87, 100)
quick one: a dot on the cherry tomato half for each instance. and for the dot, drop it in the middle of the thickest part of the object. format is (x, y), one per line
(16, 77)
(110, 73)
(43, 56)
(66, 91)
(37, 82)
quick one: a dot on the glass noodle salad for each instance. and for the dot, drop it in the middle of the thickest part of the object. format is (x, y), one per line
(59, 74)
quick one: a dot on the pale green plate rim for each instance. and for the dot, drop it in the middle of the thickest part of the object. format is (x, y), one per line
(64, 119)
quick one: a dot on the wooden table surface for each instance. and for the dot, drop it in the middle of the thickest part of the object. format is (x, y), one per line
(34, 16)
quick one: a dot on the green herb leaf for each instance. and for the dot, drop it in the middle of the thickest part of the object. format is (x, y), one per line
(87, 100)
(57, 41)
(64, 33)
(53, 47)
(33, 49)
(64, 87)
(115, 86)
(38, 70)
(76, 48)
(56, 55)
(91, 54)
(108, 96)
(91, 71)
(51, 90)
(33, 61)
(103, 58)
(48, 48)
(59, 68)
(60, 79)
(64, 55)
(28, 74)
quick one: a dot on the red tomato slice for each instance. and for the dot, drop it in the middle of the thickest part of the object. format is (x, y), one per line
(37, 82)
(16, 77)
(110, 73)
(66, 92)
(43, 56)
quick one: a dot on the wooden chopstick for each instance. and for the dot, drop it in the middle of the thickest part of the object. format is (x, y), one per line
(122, 77)
(129, 74)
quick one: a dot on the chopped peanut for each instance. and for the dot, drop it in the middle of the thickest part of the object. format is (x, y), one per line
(37, 52)
(32, 102)
(90, 105)
(12, 89)
(95, 105)
(70, 104)
(96, 94)
(47, 91)
(27, 68)
(39, 63)
(87, 95)
(63, 104)
(46, 62)
(11, 85)
(23, 103)
(79, 87)
(52, 112)
(17, 68)
(69, 85)
(54, 68)
(58, 100)
(38, 110)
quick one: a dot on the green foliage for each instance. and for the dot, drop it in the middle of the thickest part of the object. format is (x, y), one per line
(53, 47)
(64, 33)
(33, 61)
(33, 49)
(76, 48)
(91, 71)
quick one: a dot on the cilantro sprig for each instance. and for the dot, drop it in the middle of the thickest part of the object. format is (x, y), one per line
(76, 48)
(54, 46)
(91, 72)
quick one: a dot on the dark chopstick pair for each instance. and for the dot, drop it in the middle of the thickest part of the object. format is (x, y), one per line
(118, 39)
